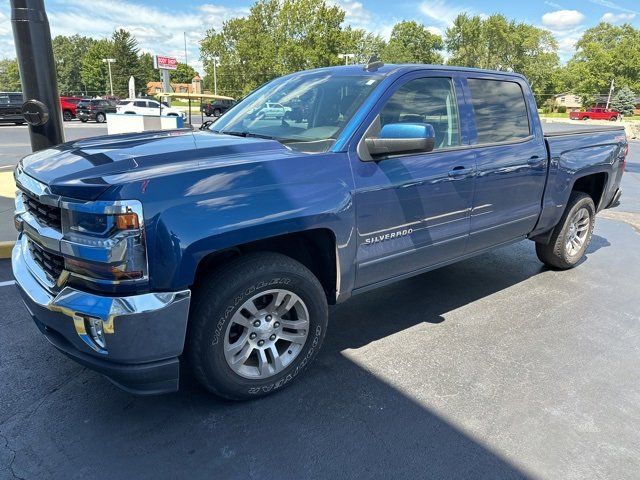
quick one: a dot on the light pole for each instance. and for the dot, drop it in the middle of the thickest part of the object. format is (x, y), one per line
(109, 61)
(216, 59)
(346, 57)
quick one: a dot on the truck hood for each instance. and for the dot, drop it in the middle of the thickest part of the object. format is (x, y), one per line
(85, 169)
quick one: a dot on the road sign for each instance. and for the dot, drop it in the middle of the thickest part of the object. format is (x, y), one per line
(165, 63)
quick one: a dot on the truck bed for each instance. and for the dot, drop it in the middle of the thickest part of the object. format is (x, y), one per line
(562, 129)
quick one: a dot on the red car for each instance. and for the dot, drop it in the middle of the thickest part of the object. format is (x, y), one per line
(69, 106)
(596, 114)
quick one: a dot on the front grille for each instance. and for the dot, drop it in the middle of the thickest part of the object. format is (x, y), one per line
(51, 264)
(45, 214)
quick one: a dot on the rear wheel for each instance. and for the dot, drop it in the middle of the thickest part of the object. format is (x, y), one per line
(571, 236)
(613, 119)
(255, 325)
(100, 117)
(67, 116)
(83, 120)
(585, 118)
(217, 112)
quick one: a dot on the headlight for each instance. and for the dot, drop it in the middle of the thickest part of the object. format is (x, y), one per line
(104, 241)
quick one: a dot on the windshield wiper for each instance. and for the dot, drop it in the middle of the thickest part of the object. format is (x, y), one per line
(247, 134)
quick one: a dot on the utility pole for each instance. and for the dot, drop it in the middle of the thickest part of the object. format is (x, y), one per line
(610, 92)
(346, 57)
(216, 59)
(41, 108)
(109, 61)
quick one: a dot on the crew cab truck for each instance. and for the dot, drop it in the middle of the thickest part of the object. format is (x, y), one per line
(596, 114)
(219, 250)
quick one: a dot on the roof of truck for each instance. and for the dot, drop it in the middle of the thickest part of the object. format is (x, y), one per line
(391, 69)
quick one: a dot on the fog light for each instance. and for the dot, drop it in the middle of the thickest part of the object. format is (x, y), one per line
(96, 331)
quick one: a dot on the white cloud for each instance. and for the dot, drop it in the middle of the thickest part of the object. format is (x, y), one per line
(562, 19)
(157, 30)
(617, 17)
(436, 31)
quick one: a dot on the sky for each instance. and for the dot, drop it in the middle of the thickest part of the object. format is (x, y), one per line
(159, 25)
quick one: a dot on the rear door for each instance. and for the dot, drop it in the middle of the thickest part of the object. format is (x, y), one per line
(511, 160)
(413, 210)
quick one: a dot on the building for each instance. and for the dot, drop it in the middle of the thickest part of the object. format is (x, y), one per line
(194, 87)
(568, 100)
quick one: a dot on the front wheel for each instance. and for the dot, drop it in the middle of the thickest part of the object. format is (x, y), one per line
(571, 236)
(67, 116)
(255, 325)
(100, 118)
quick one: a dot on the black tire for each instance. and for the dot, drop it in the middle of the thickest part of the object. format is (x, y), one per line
(585, 118)
(100, 117)
(217, 298)
(67, 116)
(217, 112)
(83, 120)
(613, 119)
(19, 123)
(555, 254)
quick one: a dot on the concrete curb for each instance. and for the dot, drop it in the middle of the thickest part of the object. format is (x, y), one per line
(5, 249)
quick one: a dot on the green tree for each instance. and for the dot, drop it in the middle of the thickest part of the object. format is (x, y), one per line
(276, 38)
(624, 101)
(183, 74)
(146, 72)
(94, 73)
(496, 43)
(605, 52)
(124, 49)
(411, 42)
(9, 76)
(362, 44)
(68, 53)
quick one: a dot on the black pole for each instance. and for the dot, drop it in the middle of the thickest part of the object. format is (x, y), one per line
(32, 37)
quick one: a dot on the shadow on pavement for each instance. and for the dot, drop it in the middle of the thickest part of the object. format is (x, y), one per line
(338, 421)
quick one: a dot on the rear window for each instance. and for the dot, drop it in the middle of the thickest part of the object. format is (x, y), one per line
(500, 110)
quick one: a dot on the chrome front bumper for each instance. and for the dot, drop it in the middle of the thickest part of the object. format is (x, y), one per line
(142, 335)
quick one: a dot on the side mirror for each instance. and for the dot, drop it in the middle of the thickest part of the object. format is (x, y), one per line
(402, 138)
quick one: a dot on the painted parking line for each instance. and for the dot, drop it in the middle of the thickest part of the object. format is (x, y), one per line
(7, 283)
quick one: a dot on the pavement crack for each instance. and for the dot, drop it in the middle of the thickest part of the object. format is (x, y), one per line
(13, 457)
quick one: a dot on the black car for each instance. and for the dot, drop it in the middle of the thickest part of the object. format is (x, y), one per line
(217, 108)
(11, 108)
(95, 110)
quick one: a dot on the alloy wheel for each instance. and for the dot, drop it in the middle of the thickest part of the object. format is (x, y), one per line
(266, 334)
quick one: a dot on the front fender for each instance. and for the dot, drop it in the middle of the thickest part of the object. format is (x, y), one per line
(218, 210)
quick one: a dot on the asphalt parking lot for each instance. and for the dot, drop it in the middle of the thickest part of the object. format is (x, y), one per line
(491, 368)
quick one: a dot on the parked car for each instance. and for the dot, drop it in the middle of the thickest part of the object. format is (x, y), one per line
(269, 110)
(138, 106)
(217, 108)
(69, 106)
(95, 109)
(596, 114)
(11, 108)
(224, 247)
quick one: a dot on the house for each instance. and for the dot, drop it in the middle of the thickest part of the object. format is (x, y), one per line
(568, 100)
(194, 87)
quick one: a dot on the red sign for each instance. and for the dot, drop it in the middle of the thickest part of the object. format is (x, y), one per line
(165, 63)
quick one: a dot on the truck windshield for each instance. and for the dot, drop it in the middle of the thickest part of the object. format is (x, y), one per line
(306, 111)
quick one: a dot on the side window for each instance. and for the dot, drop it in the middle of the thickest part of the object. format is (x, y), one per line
(140, 103)
(500, 110)
(426, 100)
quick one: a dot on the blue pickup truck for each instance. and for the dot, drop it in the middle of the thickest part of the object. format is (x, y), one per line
(220, 249)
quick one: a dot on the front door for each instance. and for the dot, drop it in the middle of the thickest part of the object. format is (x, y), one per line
(413, 210)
